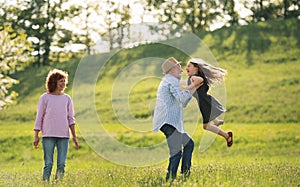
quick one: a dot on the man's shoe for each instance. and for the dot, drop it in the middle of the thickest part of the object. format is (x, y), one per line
(186, 174)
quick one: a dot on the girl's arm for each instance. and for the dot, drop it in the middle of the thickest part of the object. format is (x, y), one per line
(196, 82)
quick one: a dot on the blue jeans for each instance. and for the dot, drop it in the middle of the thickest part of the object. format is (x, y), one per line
(62, 145)
(176, 141)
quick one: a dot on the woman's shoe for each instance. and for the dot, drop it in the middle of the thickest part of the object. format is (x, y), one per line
(229, 143)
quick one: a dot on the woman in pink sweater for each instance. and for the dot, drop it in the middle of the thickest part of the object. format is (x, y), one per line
(55, 116)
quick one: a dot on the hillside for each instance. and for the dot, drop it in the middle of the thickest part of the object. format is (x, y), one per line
(262, 86)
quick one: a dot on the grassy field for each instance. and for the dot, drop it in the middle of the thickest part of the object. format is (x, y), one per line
(262, 93)
(262, 155)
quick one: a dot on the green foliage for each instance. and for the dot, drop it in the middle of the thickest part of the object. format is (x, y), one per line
(13, 57)
(263, 67)
(262, 111)
(40, 21)
(264, 89)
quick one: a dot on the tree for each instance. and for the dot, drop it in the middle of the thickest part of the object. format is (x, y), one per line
(291, 8)
(63, 38)
(116, 22)
(229, 9)
(87, 23)
(40, 20)
(13, 56)
(263, 10)
(191, 15)
(123, 24)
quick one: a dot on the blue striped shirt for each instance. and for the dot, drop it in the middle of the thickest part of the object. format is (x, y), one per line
(170, 103)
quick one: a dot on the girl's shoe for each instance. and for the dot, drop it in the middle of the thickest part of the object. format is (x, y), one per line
(229, 143)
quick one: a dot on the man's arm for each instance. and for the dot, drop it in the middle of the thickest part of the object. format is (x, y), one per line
(182, 96)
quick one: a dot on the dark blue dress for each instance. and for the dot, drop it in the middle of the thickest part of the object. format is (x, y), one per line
(209, 106)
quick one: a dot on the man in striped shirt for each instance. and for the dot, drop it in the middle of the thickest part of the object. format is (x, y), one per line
(168, 117)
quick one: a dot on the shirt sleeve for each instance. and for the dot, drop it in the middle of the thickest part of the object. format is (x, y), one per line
(182, 97)
(40, 114)
(71, 118)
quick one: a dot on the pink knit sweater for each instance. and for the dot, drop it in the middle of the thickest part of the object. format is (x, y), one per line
(54, 115)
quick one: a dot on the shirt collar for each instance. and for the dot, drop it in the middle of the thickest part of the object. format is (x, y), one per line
(171, 79)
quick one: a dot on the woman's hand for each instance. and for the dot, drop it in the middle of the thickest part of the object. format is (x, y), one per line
(36, 139)
(36, 142)
(76, 143)
(72, 128)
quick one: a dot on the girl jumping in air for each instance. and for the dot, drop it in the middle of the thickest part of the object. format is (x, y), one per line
(202, 75)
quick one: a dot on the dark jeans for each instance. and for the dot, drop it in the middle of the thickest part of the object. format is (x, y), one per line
(176, 141)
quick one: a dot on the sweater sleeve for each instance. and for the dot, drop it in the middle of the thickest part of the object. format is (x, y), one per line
(71, 118)
(40, 113)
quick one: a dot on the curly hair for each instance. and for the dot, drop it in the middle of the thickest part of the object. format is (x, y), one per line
(52, 78)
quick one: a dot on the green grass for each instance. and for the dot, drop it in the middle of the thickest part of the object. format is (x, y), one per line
(262, 93)
(262, 155)
(214, 174)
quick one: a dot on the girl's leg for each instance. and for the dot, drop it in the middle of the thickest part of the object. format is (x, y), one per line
(218, 122)
(217, 130)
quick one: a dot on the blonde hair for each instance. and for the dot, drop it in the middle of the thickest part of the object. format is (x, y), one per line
(211, 73)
